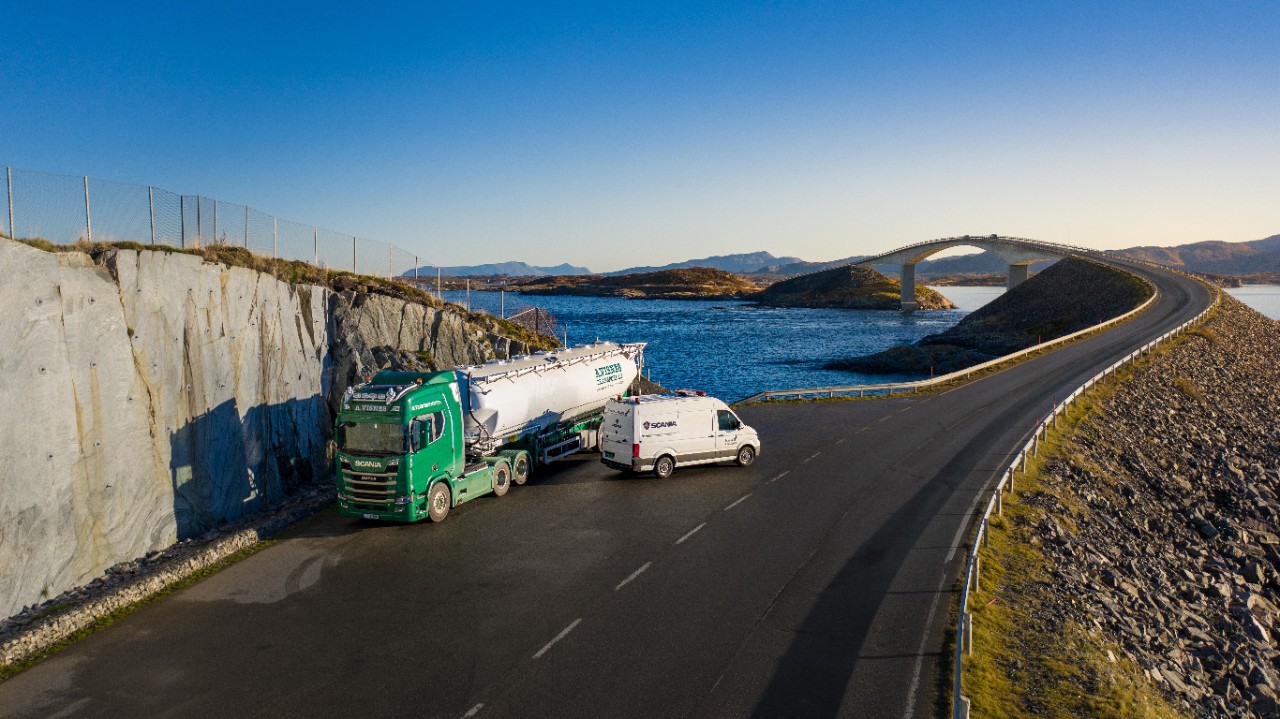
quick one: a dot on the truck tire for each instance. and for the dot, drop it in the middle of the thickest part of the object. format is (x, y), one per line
(664, 467)
(746, 455)
(439, 500)
(520, 468)
(501, 479)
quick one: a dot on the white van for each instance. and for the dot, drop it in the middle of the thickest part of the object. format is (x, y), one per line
(659, 432)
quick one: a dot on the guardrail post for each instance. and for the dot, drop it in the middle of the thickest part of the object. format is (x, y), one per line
(1024, 461)
(985, 539)
(1000, 502)
(975, 582)
(968, 633)
(962, 708)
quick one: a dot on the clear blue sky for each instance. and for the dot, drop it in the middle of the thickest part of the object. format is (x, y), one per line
(614, 134)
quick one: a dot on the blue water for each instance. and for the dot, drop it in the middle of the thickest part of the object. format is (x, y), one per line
(732, 350)
(1263, 298)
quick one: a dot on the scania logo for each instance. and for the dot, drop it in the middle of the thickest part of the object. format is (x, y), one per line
(367, 463)
(659, 425)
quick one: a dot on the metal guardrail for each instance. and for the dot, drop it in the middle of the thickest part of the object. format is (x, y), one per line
(964, 625)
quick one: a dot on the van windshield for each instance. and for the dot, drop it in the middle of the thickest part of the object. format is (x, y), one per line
(371, 438)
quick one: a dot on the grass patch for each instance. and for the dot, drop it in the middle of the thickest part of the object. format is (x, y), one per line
(1188, 388)
(106, 621)
(299, 272)
(1026, 663)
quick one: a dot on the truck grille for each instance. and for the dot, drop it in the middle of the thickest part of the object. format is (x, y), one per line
(372, 489)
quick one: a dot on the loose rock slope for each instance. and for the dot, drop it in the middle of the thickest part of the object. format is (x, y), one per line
(1159, 525)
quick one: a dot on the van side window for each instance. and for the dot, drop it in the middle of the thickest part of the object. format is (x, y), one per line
(727, 421)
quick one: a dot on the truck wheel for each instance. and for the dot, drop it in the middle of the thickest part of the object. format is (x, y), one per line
(746, 455)
(520, 469)
(501, 479)
(438, 501)
(664, 467)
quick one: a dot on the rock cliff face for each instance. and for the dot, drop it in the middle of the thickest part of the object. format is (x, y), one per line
(146, 397)
(1160, 523)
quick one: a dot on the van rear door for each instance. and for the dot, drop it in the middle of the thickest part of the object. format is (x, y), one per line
(617, 432)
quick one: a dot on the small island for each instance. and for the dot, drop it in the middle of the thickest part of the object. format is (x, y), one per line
(849, 287)
(694, 283)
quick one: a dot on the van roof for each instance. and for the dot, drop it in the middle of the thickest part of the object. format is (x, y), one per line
(656, 398)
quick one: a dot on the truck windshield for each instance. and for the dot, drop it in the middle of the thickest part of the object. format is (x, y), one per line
(371, 438)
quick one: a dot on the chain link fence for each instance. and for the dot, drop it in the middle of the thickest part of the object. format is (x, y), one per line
(64, 210)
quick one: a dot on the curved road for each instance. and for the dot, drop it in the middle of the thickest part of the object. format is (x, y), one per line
(816, 583)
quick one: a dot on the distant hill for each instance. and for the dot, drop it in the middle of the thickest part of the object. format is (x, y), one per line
(745, 263)
(678, 284)
(1221, 258)
(511, 269)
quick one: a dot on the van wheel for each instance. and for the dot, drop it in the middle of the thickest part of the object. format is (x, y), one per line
(664, 467)
(520, 469)
(501, 479)
(746, 455)
(438, 501)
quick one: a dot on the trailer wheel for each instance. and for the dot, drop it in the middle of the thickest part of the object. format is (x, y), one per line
(501, 479)
(746, 455)
(439, 500)
(664, 467)
(520, 469)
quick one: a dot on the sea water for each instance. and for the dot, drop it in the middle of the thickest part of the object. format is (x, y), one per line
(1263, 298)
(733, 349)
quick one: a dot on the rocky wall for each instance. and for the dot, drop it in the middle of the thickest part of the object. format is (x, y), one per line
(147, 397)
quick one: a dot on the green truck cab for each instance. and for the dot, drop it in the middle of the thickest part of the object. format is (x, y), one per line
(400, 450)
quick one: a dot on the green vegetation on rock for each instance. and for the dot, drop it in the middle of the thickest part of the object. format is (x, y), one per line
(848, 287)
(679, 284)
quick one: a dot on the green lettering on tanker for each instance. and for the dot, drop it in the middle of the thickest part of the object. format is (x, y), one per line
(611, 373)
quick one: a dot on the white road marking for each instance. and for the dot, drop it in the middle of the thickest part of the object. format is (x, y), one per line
(737, 501)
(634, 574)
(815, 454)
(924, 639)
(841, 440)
(563, 633)
(473, 711)
(690, 533)
(780, 476)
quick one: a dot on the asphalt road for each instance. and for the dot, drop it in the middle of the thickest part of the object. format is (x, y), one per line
(816, 583)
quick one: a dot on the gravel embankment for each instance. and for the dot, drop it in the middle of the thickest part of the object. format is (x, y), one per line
(1163, 527)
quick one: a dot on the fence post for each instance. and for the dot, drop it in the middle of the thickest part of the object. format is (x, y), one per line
(182, 221)
(353, 255)
(315, 245)
(415, 271)
(88, 228)
(151, 209)
(275, 238)
(390, 270)
(13, 232)
(246, 227)
(199, 225)
(215, 222)
(439, 290)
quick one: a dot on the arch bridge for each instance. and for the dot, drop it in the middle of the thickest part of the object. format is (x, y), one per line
(1018, 253)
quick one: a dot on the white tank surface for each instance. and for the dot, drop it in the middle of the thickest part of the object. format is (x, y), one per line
(508, 398)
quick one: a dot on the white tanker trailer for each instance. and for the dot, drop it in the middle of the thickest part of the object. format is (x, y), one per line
(413, 445)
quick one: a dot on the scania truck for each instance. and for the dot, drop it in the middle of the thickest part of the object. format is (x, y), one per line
(415, 445)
